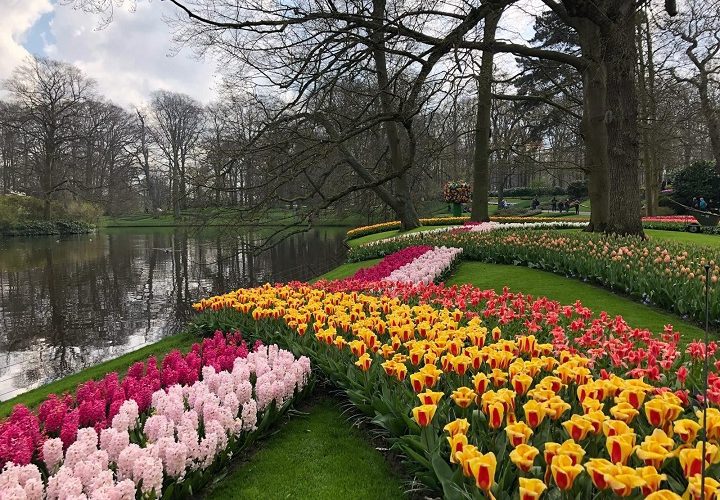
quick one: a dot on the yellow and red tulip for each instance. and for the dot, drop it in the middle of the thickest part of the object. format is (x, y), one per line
(424, 414)
(523, 456)
(518, 433)
(483, 468)
(531, 489)
(564, 472)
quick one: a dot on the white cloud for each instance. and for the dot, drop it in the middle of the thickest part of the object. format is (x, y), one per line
(16, 18)
(130, 57)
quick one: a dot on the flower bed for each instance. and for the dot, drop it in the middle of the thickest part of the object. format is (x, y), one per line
(666, 274)
(489, 393)
(95, 403)
(391, 263)
(172, 447)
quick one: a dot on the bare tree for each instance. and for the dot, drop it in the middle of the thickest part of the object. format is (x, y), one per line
(50, 95)
(178, 122)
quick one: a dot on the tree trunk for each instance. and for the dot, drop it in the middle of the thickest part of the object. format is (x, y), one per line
(645, 94)
(621, 120)
(405, 209)
(711, 118)
(594, 130)
(595, 138)
(481, 158)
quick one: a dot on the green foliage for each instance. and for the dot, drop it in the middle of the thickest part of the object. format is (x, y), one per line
(696, 180)
(577, 189)
(531, 191)
(22, 215)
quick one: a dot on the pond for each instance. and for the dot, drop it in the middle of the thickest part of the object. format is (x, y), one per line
(71, 302)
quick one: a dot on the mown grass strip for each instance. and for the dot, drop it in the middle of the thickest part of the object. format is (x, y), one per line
(567, 291)
(314, 456)
(182, 342)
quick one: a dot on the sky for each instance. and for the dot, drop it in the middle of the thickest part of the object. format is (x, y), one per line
(133, 55)
(129, 57)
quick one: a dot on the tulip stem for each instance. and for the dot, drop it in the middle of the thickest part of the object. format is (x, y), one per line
(705, 380)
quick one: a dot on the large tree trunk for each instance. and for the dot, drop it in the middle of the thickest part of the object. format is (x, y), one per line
(594, 131)
(595, 137)
(646, 88)
(481, 157)
(623, 152)
(711, 118)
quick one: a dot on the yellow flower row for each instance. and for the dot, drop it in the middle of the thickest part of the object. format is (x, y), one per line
(454, 363)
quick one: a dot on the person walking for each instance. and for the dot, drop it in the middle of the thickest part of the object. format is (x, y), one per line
(553, 204)
(577, 207)
(702, 204)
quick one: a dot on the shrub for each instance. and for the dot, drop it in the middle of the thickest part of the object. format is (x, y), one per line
(578, 189)
(698, 179)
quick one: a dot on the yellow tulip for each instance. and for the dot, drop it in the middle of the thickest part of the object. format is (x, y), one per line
(534, 413)
(430, 397)
(633, 396)
(652, 479)
(624, 411)
(652, 453)
(686, 429)
(694, 492)
(364, 362)
(463, 396)
(496, 412)
(620, 447)
(597, 468)
(521, 383)
(615, 427)
(623, 480)
(663, 495)
(523, 456)
(564, 472)
(518, 433)
(573, 450)
(531, 489)
(424, 414)
(578, 427)
(498, 377)
(596, 418)
(457, 443)
(591, 404)
(555, 407)
(483, 468)
(659, 412)
(480, 383)
(463, 458)
(457, 426)
(417, 380)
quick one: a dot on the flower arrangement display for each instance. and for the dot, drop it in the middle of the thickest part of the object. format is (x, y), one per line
(503, 394)
(665, 274)
(173, 446)
(456, 192)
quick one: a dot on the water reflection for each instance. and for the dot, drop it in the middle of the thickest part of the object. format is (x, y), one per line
(69, 303)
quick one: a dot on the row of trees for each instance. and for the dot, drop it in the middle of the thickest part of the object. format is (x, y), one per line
(375, 103)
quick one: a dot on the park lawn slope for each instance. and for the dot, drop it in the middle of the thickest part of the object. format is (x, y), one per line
(314, 456)
(567, 291)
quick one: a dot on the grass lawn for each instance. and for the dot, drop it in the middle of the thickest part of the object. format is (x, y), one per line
(346, 270)
(314, 456)
(684, 237)
(387, 234)
(567, 291)
(182, 341)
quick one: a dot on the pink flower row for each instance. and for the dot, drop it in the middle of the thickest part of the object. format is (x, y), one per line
(96, 403)
(181, 434)
(426, 268)
(390, 263)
